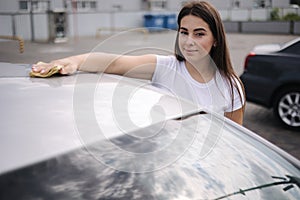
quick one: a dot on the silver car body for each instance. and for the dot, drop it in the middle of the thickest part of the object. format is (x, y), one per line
(99, 136)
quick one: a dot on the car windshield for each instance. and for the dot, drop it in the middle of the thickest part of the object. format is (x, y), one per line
(292, 46)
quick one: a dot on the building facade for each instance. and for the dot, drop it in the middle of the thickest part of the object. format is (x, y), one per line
(44, 20)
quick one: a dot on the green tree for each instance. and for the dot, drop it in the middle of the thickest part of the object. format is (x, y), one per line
(291, 17)
(275, 14)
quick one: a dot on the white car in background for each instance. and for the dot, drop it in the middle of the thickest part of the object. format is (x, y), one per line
(98, 136)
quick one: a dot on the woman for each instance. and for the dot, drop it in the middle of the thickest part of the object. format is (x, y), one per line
(200, 71)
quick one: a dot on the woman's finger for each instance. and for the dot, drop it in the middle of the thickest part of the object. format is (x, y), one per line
(41, 67)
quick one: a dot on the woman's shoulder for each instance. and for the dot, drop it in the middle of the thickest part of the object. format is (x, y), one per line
(167, 61)
(166, 58)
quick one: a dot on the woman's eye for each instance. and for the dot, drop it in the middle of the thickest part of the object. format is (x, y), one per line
(184, 33)
(199, 34)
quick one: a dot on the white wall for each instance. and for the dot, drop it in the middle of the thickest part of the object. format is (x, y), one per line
(281, 3)
(174, 5)
(86, 24)
(9, 5)
(129, 15)
(129, 5)
(23, 26)
(107, 5)
(56, 4)
(221, 4)
(259, 15)
(240, 15)
(41, 28)
(246, 4)
(6, 24)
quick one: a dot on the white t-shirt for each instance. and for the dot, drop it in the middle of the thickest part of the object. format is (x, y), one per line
(172, 75)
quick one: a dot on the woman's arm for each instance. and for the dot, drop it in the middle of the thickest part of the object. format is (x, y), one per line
(133, 66)
(236, 116)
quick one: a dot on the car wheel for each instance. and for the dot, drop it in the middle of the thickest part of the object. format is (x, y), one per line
(287, 107)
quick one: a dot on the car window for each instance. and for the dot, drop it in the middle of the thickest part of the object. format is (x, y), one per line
(201, 157)
(293, 49)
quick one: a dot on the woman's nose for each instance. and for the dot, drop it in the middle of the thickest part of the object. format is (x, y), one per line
(190, 41)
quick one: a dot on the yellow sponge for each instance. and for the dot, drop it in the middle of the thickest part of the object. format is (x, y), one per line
(52, 71)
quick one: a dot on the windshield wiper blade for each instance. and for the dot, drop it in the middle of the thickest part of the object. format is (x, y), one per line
(290, 180)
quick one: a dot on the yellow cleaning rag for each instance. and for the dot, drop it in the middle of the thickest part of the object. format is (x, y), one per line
(52, 71)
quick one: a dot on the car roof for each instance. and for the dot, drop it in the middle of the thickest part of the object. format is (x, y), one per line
(68, 136)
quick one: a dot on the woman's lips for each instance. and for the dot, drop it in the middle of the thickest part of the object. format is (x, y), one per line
(190, 51)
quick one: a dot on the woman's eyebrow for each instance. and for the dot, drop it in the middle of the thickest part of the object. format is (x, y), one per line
(182, 28)
(199, 29)
(195, 30)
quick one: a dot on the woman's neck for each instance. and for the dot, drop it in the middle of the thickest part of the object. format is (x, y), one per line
(203, 72)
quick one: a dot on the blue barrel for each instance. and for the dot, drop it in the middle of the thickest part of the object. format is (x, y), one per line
(170, 22)
(154, 22)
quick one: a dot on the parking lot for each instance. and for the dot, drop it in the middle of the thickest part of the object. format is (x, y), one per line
(257, 119)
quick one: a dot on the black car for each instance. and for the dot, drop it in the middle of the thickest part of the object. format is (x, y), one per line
(272, 79)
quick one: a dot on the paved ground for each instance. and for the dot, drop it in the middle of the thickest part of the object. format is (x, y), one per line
(258, 119)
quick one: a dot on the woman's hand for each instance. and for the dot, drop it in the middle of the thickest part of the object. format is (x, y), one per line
(66, 65)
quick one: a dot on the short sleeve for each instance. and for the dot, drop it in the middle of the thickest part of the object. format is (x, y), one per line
(239, 98)
(163, 67)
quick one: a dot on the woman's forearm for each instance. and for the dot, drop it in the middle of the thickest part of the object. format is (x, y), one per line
(95, 62)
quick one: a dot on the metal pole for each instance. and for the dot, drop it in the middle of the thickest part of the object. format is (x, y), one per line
(13, 24)
(31, 22)
(75, 19)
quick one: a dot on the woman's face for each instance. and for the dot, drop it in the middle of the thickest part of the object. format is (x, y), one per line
(195, 38)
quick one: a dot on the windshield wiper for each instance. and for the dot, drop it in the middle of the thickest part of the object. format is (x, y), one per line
(290, 181)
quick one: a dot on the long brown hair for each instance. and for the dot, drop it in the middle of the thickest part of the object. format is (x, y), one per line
(219, 53)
